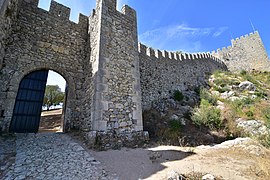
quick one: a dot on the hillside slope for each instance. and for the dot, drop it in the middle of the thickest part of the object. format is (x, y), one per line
(231, 106)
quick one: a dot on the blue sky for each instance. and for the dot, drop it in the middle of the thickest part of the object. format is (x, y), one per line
(189, 25)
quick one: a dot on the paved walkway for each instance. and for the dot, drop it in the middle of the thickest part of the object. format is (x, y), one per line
(47, 156)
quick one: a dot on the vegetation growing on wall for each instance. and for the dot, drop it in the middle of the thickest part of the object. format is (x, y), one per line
(178, 96)
(233, 105)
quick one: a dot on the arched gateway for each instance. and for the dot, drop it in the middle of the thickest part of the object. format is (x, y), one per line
(98, 57)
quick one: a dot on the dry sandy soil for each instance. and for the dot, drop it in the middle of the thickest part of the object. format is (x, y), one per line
(51, 121)
(232, 160)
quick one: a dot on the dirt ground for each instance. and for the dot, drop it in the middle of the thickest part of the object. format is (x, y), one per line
(51, 121)
(231, 163)
(238, 159)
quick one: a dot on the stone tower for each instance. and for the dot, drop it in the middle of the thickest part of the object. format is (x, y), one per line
(245, 53)
(98, 57)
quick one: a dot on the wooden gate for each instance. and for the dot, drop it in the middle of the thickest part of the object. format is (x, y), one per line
(28, 105)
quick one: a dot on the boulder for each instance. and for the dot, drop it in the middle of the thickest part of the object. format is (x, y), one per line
(220, 105)
(227, 94)
(174, 117)
(180, 119)
(253, 127)
(208, 177)
(246, 85)
(172, 175)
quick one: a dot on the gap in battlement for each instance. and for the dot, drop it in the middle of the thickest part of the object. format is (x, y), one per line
(44, 4)
(75, 6)
(120, 5)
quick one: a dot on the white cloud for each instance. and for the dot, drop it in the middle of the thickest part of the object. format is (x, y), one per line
(220, 31)
(182, 36)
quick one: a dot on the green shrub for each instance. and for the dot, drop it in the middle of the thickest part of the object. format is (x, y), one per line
(266, 114)
(243, 72)
(204, 94)
(238, 105)
(178, 96)
(251, 78)
(207, 115)
(175, 125)
(260, 94)
(221, 89)
(250, 114)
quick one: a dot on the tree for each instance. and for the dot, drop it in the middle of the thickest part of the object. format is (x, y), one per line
(53, 96)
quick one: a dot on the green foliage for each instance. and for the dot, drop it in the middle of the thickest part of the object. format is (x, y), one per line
(266, 114)
(221, 89)
(243, 73)
(244, 104)
(238, 105)
(178, 96)
(250, 114)
(260, 94)
(249, 77)
(175, 125)
(264, 140)
(204, 94)
(53, 96)
(207, 115)
(222, 82)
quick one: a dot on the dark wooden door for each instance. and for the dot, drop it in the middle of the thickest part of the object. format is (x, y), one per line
(28, 105)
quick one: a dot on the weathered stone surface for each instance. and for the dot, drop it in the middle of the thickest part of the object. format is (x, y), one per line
(246, 85)
(52, 156)
(172, 175)
(161, 76)
(253, 127)
(208, 177)
(245, 53)
(98, 57)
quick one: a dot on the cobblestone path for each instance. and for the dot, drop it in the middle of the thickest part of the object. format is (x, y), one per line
(47, 156)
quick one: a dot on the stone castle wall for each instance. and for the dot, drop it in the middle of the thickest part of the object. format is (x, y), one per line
(8, 15)
(245, 53)
(7, 19)
(98, 57)
(164, 72)
(110, 80)
(116, 103)
(45, 40)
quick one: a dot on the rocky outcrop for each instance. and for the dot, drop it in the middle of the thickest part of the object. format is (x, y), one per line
(255, 128)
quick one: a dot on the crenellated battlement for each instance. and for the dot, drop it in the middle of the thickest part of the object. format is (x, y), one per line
(59, 11)
(161, 55)
(245, 37)
(128, 11)
(246, 52)
(236, 41)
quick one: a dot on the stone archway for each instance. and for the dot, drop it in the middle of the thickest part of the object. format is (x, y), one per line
(18, 76)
